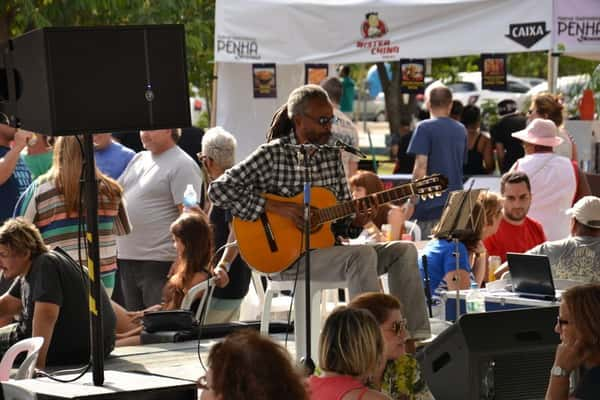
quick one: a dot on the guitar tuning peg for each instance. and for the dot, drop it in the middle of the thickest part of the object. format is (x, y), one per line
(430, 195)
(423, 197)
(438, 194)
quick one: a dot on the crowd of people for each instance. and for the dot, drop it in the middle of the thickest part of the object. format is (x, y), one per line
(154, 249)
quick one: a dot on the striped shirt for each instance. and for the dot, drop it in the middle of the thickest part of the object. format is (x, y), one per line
(44, 206)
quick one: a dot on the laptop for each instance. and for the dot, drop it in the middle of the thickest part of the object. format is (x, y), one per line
(531, 276)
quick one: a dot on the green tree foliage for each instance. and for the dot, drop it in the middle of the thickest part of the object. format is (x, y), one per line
(20, 16)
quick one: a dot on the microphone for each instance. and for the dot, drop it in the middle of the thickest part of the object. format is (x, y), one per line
(350, 149)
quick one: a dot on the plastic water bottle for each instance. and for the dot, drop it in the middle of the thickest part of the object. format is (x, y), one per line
(475, 300)
(190, 197)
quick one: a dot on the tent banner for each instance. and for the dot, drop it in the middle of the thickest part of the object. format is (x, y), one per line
(353, 31)
(576, 26)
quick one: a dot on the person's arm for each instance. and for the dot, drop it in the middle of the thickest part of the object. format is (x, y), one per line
(488, 155)
(420, 168)
(45, 316)
(569, 356)
(500, 153)
(396, 219)
(10, 159)
(9, 307)
(239, 189)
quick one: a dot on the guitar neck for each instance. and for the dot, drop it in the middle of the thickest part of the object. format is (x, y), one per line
(347, 208)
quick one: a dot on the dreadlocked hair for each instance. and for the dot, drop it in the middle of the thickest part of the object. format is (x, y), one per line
(281, 124)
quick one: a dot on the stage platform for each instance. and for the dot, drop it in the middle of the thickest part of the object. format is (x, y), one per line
(155, 361)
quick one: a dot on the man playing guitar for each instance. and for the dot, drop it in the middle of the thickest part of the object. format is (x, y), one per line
(276, 168)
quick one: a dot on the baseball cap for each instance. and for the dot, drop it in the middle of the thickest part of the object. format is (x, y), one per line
(587, 211)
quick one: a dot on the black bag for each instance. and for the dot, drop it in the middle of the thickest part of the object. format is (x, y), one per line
(174, 320)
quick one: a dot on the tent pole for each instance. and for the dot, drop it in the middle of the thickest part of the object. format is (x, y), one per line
(213, 100)
(553, 59)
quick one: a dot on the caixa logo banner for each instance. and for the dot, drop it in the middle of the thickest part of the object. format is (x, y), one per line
(527, 34)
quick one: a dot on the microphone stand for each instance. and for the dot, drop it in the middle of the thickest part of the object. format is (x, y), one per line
(307, 361)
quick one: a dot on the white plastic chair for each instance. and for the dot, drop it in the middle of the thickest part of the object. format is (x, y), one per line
(15, 392)
(186, 304)
(316, 289)
(32, 346)
(415, 230)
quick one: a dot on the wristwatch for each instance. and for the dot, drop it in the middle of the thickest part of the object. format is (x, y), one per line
(559, 371)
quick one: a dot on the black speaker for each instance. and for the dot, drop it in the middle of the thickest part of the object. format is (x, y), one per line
(503, 355)
(96, 79)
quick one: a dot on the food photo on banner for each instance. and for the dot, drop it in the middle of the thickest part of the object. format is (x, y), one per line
(264, 79)
(493, 75)
(315, 73)
(413, 76)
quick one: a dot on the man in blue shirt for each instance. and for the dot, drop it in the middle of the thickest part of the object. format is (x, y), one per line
(14, 175)
(111, 157)
(440, 146)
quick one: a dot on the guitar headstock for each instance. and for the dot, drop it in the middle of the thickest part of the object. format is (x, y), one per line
(430, 186)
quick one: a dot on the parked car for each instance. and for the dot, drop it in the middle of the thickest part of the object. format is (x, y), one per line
(570, 87)
(467, 89)
(367, 108)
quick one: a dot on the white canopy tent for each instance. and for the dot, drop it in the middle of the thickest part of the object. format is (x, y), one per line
(291, 33)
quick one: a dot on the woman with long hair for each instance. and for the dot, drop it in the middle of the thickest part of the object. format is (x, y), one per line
(247, 365)
(578, 324)
(399, 375)
(350, 353)
(364, 183)
(54, 203)
(193, 240)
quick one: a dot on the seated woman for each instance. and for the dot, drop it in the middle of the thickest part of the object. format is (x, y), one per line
(193, 240)
(399, 375)
(364, 183)
(441, 263)
(578, 324)
(350, 351)
(247, 365)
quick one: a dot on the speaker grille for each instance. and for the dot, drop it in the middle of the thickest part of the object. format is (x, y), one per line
(517, 379)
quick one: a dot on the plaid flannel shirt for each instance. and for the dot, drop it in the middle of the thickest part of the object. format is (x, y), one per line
(276, 169)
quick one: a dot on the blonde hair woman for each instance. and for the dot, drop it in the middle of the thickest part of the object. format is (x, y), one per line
(350, 352)
(54, 203)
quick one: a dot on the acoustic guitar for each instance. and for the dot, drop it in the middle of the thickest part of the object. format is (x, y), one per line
(272, 242)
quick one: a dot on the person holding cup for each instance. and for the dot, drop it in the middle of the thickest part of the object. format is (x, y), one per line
(388, 223)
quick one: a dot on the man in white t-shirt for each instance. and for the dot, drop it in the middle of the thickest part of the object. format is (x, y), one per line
(153, 186)
(552, 177)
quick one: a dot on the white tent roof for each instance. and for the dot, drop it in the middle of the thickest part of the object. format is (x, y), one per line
(337, 31)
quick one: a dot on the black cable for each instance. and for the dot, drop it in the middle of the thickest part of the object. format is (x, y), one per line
(208, 292)
(82, 370)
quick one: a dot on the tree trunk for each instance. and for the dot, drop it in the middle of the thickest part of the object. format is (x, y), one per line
(397, 109)
(5, 21)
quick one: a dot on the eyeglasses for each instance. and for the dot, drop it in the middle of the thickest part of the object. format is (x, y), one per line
(323, 121)
(561, 322)
(398, 326)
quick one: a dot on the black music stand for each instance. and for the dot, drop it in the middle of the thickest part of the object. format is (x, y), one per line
(457, 221)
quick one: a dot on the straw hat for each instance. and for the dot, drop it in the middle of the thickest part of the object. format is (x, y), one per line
(540, 131)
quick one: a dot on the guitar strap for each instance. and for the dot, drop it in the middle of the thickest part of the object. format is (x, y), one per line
(268, 232)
